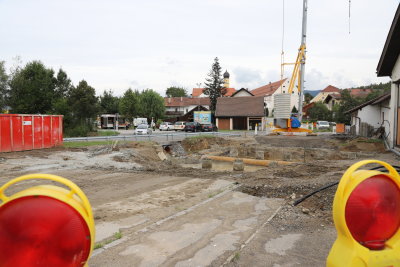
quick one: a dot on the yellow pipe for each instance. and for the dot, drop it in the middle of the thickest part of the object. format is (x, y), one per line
(257, 162)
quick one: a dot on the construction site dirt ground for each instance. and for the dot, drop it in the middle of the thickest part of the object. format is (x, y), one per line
(160, 208)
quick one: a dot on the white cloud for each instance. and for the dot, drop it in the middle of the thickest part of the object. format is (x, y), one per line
(157, 43)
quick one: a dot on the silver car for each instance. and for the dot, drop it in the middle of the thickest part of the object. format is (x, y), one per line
(323, 125)
(143, 129)
(166, 126)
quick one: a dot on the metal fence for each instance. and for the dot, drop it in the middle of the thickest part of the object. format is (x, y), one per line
(150, 137)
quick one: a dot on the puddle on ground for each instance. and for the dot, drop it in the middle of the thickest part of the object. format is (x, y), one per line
(225, 166)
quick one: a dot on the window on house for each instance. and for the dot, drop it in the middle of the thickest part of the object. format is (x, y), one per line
(176, 109)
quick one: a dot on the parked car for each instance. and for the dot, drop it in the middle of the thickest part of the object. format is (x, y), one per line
(166, 126)
(192, 127)
(322, 125)
(142, 129)
(209, 128)
(179, 126)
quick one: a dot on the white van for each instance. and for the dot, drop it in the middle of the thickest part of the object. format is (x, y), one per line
(137, 121)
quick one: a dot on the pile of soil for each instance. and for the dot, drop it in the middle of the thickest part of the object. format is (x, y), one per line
(363, 144)
(197, 143)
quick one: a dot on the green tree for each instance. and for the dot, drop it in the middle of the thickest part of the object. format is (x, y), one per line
(151, 105)
(109, 103)
(347, 102)
(32, 89)
(83, 102)
(63, 84)
(307, 98)
(214, 85)
(384, 86)
(176, 92)
(319, 112)
(129, 104)
(3, 86)
(374, 94)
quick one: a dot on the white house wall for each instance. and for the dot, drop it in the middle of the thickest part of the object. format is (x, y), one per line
(371, 115)
(184, 109)
(242, 93)
(374, 115)
(294, 99)
(394, 104)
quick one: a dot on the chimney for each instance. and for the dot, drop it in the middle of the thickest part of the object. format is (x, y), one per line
(181, 99)
(169, 100)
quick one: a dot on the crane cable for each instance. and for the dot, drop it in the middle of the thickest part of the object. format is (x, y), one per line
(349, 14)
(283, 40)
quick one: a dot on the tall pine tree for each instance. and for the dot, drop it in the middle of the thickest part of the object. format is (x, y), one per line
(214, 85)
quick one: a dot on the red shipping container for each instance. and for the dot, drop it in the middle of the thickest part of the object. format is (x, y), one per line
(25, 132)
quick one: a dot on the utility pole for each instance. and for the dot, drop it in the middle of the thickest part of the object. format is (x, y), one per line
(303, 60)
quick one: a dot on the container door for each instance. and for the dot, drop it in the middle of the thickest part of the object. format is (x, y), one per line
(27, 132)
(16, 134)
(56, 131)
(5, 134)
(37, 132)
(47, 131)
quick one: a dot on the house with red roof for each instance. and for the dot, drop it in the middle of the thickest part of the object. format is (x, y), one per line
(199, 92)
(182, 108)
(271, 89)
(329, 90)
(360, 92)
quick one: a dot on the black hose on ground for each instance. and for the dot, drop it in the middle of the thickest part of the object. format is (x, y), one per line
(297, 202)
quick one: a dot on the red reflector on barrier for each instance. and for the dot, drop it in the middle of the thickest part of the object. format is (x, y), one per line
(42, 231)
(373, 211)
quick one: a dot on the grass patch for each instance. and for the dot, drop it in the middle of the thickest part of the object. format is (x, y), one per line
(213, 194)
(107, 133)
(236, 257)
(371, 140)
(98, 245)
(196, 138)
(116, 236)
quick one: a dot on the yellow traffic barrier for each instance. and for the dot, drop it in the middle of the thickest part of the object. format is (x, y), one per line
(366, 212)
(45, 225)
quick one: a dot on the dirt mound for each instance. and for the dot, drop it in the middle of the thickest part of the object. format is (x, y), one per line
(297, 141)
(363, 144)
(197, 143)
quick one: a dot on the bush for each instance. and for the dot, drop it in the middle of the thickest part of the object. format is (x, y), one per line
(80, 130)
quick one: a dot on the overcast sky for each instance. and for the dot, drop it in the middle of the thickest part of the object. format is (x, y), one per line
(158, 43)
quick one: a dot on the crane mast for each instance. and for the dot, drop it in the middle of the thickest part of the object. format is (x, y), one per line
(303, 59)
(283, 121)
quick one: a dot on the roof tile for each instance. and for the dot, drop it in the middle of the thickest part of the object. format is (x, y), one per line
(268, 89)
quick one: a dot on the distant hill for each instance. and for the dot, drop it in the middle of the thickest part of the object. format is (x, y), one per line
(312, 92)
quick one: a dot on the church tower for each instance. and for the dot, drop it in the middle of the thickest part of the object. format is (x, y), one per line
(226, 79)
